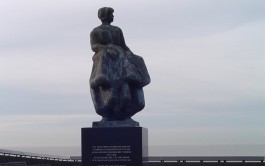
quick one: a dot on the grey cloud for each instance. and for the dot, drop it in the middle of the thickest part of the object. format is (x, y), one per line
(205, 59)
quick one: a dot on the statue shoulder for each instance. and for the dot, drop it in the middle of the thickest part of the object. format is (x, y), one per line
(97, 29)
(96, 32)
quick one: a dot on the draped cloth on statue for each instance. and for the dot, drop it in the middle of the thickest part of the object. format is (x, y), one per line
(118, 75)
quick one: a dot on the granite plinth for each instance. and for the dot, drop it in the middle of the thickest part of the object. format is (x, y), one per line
(114, 146)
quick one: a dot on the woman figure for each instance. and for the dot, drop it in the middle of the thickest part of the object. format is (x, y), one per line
(118, 75)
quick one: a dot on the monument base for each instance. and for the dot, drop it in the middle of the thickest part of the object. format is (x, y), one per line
(114, 146)
(116, 123)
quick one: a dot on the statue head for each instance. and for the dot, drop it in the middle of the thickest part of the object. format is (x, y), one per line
(105, 14)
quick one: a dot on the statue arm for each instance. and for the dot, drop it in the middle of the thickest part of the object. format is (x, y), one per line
(95, 44)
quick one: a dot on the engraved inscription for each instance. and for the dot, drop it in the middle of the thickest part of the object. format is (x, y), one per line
(109, 154)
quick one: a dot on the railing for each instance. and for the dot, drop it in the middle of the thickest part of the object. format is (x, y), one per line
(33, 155)
(205, 159)
(76, 158)
(148, 159)
(196, 158)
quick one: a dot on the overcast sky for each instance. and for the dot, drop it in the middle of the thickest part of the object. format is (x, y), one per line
(205, 58)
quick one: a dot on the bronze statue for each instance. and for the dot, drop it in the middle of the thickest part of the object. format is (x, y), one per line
(118, 75)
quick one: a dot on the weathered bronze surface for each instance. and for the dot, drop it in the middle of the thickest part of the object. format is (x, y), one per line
(118, 75)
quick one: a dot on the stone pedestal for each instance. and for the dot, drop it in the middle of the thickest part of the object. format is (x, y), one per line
(114, 146)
